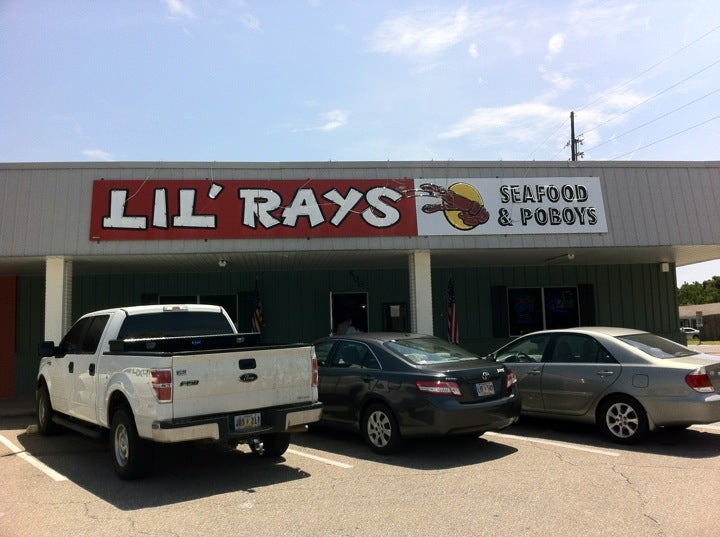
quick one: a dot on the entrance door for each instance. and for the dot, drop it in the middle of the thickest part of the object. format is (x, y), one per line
(349, 309)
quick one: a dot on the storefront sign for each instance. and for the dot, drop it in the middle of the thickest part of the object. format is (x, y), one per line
(240, 209)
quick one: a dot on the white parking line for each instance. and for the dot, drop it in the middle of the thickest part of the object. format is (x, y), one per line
(598, 451)
(712, 427)
(14, 450)
(320, 459)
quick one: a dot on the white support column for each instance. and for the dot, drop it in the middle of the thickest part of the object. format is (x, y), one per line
(58, 297)
(421, 315)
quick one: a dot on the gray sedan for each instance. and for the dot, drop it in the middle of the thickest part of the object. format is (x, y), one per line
(628, 382)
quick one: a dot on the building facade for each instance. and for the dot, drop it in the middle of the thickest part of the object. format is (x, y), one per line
(509, 247)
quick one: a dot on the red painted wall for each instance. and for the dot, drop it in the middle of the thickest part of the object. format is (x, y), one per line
(8, 295)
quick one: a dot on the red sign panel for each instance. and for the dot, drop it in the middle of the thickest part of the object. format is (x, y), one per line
(251, 209)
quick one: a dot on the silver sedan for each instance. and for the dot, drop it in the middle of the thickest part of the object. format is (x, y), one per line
(627, 382)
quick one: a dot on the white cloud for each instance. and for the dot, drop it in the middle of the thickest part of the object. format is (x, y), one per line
(421, 34)
(473, 50)
(555, 44)
(179, 8)
(97, 154)
(334, 119)
(251, 22)
(605, 19)
(558, 80)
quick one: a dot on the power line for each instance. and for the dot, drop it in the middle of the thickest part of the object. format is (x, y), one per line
(614, 138)
(652, 97)
(627, 83)
(667, 137)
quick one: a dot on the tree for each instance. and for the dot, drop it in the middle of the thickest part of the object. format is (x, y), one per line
(707, 292)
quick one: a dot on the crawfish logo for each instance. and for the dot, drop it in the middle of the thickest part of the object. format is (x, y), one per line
(462, 204)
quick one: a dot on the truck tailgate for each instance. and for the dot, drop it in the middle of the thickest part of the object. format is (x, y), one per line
(238, 380)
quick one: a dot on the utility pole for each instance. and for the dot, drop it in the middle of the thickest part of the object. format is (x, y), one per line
(574, 154)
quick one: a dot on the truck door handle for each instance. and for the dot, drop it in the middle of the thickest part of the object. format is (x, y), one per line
(534, 372)
(91, 370)
(71, 367)
(247, 363)
(605, 373)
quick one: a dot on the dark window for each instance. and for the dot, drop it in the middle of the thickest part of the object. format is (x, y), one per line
(84, 336)
(94, 333)
(525, 310)
(174, 324)
(354, 355)
(322, 351)
(561, 307)
(538, 308)
(72, 342)
(530, 349)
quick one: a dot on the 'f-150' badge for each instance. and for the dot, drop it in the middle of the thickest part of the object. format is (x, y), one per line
(248, 377)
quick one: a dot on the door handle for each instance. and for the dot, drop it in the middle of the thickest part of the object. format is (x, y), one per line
(71, 367)
(605, 373)
(247, 363)
(91, 370)
(534, 372)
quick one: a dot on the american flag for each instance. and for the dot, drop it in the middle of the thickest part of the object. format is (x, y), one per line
(257, 316)
(453, 334)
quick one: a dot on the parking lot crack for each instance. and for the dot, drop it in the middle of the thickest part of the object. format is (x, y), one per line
(641, 498)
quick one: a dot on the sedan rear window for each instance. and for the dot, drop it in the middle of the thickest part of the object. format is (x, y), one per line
(657, 346)
(429, 351)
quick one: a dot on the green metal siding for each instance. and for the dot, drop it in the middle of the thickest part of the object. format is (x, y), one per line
(30, 331)
(296, 304)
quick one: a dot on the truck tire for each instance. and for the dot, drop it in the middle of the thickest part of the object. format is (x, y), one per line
(274, 445)
(44, 412)
(132, 456)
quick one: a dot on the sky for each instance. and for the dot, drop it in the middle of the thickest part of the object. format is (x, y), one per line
(360, 80)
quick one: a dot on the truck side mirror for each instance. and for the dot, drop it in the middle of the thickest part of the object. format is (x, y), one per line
(47, 349)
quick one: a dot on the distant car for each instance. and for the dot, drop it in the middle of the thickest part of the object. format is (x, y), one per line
(627, 382)
(690, 331)
(394, 386)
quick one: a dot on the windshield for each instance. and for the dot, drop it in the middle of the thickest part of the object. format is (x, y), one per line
(430, 351)
(657, 346)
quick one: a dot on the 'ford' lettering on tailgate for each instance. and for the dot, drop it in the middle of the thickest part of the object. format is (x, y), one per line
(189, 383)
(248, 377)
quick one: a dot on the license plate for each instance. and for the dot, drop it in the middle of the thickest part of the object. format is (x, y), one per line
(247, 421)
(485, 388)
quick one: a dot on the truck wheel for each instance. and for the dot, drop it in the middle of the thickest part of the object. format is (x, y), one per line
(132, 456)
(274, 445)
(44, 412)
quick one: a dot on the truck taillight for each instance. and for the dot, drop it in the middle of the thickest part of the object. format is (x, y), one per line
(510, 379)
(314, 370)
(162, 384)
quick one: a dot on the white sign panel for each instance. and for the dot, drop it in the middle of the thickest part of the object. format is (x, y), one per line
(510, 206)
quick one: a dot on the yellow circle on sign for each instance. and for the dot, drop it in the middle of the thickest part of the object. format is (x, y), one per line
(453, 213)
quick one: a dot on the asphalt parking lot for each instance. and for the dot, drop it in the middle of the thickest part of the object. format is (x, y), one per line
(534, 478)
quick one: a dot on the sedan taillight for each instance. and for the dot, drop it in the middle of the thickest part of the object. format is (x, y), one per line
(699, 381)
(439, 387)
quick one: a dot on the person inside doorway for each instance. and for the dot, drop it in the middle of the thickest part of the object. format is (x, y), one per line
(347, 327)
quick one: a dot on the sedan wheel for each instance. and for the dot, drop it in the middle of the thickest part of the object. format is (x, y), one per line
(623, 420)
(380, 429)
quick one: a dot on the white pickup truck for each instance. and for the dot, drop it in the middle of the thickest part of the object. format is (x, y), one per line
(173, 373)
